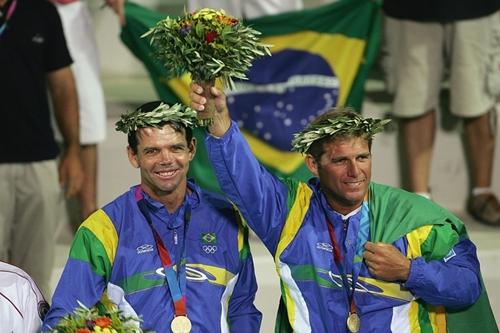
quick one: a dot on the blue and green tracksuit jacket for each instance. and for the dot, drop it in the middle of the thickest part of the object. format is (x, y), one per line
(291, 219)
(114, 254)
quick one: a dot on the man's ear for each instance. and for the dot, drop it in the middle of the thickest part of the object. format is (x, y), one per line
(192, 149)
(311, 164)
(132, 157)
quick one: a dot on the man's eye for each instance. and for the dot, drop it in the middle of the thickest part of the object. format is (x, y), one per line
(178, 149)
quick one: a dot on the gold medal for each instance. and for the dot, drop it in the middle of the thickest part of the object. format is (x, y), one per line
(353, 322)
(180, 324)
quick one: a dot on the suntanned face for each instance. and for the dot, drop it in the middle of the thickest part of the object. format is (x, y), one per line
(163, 156)
(344, 171)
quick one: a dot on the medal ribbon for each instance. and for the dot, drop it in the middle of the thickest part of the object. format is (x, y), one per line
(176, 282)
(10, 12)
(362, 237)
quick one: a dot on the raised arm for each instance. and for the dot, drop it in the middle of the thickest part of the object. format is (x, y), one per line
(261, 197)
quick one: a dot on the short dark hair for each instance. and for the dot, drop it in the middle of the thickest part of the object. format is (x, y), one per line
(178, 127)
(316, 149)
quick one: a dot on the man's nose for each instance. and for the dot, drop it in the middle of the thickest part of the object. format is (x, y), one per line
(165, 156)
(353, 169)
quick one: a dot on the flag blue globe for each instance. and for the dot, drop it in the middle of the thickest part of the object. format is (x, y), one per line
(283, 94)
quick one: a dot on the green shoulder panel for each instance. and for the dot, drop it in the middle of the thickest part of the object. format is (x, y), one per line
(292, 186)
(95, 242)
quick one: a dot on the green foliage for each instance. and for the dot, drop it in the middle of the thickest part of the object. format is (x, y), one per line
(177, 113)
(340, 125)
(208, 44)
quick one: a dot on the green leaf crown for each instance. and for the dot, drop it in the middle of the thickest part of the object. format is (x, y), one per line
(208, 44)
(177, 113)
(337, 124)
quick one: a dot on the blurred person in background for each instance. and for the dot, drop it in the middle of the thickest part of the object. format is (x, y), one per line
(77, 26)
(424, 39)
(34, 57)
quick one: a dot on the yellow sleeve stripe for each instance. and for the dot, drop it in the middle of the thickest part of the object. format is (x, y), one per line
(294, 219)
(437, 317)
(292, 225)
(241, 227)
(415, 239)
(102, 227)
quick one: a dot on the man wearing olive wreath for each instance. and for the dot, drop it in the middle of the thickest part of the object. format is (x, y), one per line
(352, 255)
(165, 251)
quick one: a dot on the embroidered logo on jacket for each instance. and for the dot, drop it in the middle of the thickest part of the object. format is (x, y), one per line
(144, 248)
(324, 246)
(449, 255)
(209, 242)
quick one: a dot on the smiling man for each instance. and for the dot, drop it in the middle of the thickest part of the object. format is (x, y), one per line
(165, 251)
(352, 255)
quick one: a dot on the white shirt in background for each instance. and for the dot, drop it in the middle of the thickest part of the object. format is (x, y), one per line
(22, 305)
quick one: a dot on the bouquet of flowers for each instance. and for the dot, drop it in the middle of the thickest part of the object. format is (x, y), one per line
(208, 44)
(90, 320)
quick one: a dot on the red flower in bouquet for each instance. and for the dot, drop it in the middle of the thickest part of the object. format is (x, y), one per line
(83, 330)
(210, 36)
(103, 322)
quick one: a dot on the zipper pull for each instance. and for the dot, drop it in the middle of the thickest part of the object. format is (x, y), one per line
(176, 239)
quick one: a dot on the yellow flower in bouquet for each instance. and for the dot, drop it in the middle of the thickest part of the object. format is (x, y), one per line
(208, 44)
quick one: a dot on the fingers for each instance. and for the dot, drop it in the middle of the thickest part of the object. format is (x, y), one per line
(71, 174)
(74, 185)
(215, 92)
(62, 176)
(195, 87)
(369, 246)
(386, 262)
(197, 100)
(73, 182)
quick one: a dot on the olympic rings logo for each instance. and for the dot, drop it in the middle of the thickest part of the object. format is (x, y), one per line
(209, 249)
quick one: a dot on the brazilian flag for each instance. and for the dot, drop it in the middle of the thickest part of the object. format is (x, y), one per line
(320, 59)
